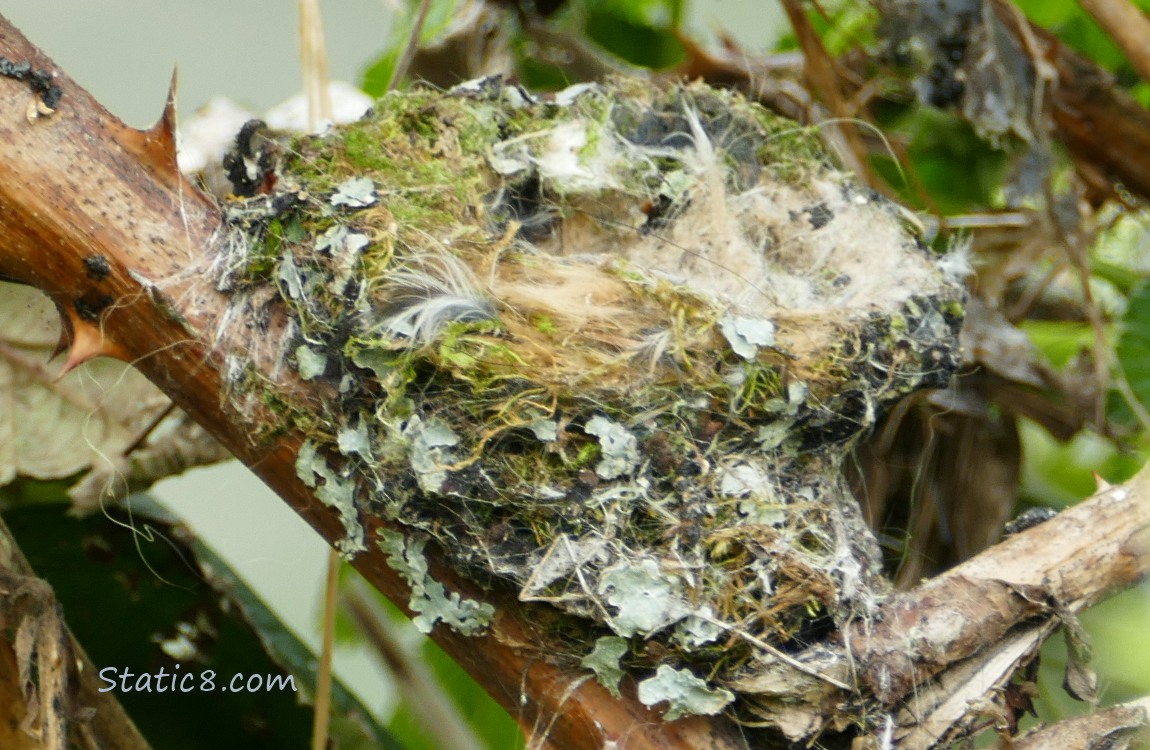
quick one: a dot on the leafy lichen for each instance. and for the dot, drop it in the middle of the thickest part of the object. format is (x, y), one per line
(683, 692)
(429, 598)
(604, 661)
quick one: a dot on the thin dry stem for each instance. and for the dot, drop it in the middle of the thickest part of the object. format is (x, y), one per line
(439, 718)
(313, 59)
(409, 49)
(1128, 26)
(323, 677)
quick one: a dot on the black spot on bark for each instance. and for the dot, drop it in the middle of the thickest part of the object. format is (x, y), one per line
(97, 268)
(91, 305)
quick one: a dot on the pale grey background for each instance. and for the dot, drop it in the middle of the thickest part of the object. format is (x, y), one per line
(123, 51)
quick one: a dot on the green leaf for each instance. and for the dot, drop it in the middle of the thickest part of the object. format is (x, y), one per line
(138, 591)
(959, 170)
(1059, 340)
(1076, 28)
(488, 719)
(1133, 353)
(497, 729)
(439, 17)
(642, 33)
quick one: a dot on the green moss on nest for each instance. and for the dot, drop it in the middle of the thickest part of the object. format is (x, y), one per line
(623, 336)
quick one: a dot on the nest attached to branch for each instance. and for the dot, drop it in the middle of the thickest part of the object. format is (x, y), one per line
(610, 347)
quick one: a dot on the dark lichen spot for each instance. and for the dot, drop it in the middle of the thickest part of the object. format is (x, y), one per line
(248, 165)
(939, 363)
(38, 80)
(1030, 518)
(524, 203)
(89, 306)
(821, 428)
(97, 267)
(945, 90)
(819, 215)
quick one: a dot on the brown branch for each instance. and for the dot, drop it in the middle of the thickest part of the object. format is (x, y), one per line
(1115, 727)
(1127, 26)
(1052, 570)
(825, 80)
(937, 656)
(109, 727)
(1104, 128)
(92, 213)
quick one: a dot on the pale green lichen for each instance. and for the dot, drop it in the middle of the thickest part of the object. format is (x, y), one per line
(335, 491)
(355, 192)
(619, 448)
(431, 453)
(683, 692)
(644, 598)
(746, 335)
(429, 598)
(355, 440)
(698, 629)
(604, 662)
(309, 362)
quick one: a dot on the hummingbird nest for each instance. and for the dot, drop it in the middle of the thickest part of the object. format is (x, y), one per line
(610, 347)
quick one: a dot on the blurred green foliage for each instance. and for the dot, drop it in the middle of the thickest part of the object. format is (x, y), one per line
(1133, 353)
(141, 594)
(485, 717)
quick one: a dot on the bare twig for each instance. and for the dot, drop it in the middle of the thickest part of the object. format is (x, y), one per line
(1101, 125)
(313, 59)
(409, 49)
(824, 79)
(1063, 565)
(1127, 26)
(323, 677)
(1115, 727)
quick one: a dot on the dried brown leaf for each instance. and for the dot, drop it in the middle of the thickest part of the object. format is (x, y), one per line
(55, 428)
(1080, 679)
